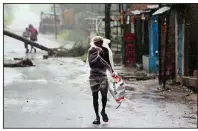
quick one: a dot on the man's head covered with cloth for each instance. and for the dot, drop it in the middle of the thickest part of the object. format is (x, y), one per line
(99, 42)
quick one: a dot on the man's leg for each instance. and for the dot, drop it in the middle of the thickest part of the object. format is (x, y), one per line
(31, 49)
(27, 50)
(104, 92)
(104, 101)
(96, 107)
(26, 47)
(31, 45)
(34, 48)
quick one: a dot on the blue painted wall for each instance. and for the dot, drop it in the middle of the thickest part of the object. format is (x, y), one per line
(153, 44)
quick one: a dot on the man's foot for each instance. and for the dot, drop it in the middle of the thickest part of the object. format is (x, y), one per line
(104, 116)
(96, 121)
(27, 50)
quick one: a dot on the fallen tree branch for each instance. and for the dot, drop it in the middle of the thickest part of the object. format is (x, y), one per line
(34, 44)
(21, 63)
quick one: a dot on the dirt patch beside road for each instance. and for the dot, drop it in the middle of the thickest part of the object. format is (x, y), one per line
(149, 90)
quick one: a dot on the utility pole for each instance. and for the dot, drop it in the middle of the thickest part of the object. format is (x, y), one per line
(159, 50)
(166, 47)
(62, 14)
(92, 8)
(108, 22)
(55, 26)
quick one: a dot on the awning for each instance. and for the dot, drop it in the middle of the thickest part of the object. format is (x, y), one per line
(138, 12)
(146, 9)
(152, 6)
(162, 10)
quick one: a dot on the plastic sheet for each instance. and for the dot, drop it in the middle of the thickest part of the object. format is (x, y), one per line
(117, 89)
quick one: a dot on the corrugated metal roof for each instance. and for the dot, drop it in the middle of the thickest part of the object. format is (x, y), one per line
(138, 9)
(143, 6)
(153, 6)
(161, 10)
(138, 12)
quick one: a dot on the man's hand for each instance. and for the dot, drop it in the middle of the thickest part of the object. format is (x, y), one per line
(100, 51)
(114, 74)
(98, 48)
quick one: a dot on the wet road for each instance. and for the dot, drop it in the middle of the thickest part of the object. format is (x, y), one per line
(55, 94)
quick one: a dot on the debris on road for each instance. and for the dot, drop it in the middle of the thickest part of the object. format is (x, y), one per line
(191, 117)
(78, 50)
(21, 63)
(34, 44)
(128, 77)
(45, 56)
(139, 66)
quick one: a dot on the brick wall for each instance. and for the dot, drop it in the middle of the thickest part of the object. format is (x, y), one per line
(138, 7)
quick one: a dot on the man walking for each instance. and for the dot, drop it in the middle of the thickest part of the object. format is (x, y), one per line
(33, 37)
(99, 62)
(26, 34)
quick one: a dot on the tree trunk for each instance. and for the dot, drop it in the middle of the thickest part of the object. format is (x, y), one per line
(166, 47)
(55, 22)
(107, 22)
(34, 44)
(62, 13)
(159, 49)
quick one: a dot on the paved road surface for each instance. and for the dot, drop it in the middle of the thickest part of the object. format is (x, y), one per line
(55, 94)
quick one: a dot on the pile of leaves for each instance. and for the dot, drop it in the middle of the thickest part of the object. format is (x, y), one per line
(79, 49)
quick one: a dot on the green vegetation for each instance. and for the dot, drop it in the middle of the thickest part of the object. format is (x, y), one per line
(7, 21)
(72, 35)
(100, 34)
(84, 57)
(78, 34)
(80, 47)
(8, 15)
(63, 35)
(78, 50)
